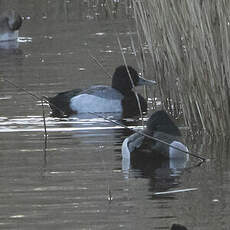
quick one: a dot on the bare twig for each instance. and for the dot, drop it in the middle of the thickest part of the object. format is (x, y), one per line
(99, 64)
(45, 134)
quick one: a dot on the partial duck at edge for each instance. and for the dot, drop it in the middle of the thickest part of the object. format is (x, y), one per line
(10, 22)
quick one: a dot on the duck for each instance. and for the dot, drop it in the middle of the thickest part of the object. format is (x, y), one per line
(10, 22)
(117, 98)
(170, 147)
(178, 227)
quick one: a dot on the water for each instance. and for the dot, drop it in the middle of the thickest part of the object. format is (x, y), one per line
(78, 183)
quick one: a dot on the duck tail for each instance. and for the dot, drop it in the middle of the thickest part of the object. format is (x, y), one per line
(56, 112)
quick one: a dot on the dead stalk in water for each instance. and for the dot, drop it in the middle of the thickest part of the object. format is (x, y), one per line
(99, 64)
(45, 133)
(137, 98)
(110, 4)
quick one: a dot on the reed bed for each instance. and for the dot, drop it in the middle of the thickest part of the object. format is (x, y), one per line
(188, 41)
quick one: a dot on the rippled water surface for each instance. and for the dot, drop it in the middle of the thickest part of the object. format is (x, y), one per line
(78, 182)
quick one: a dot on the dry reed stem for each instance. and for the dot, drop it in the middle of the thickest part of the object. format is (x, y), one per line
(109, 5)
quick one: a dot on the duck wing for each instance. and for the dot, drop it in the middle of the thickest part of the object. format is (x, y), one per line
(60, 104)
(104, 91)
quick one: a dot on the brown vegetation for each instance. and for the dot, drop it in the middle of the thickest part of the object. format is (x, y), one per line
(189, 45)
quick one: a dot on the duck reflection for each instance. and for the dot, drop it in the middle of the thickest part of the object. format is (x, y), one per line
(163, 173)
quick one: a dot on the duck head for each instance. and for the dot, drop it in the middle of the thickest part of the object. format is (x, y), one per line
(122, 82)
(161, 122)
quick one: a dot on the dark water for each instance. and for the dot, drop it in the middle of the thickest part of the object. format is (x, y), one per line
(79, 183)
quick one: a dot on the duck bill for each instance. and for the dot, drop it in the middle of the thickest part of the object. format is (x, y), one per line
(143, 81)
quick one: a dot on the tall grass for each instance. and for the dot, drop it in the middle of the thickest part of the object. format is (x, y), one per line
(189, 45)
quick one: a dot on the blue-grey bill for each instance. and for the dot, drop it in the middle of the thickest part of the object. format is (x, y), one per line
(143, 81)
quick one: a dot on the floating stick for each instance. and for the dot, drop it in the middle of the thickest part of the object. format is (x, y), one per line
(176, 191)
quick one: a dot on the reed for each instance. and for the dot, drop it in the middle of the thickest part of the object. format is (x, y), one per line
(188, 41)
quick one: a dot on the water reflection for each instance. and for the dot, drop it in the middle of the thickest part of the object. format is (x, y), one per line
(8, 49)
(10, 55)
